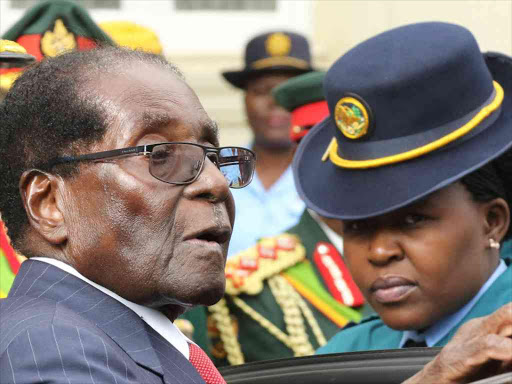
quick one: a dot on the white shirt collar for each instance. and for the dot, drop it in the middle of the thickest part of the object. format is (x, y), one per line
(154, 318)
(333, 237)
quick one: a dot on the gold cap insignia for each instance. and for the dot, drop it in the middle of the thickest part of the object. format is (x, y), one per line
(351, 117)
(278, 44)
(57, 41)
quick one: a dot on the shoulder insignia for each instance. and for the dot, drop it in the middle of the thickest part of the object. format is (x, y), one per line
(336, 275)
(246, 271)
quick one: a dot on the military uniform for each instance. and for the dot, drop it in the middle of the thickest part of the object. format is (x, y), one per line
(277, 301)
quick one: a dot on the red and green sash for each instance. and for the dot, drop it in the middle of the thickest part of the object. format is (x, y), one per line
(303, 278)
(9, 263)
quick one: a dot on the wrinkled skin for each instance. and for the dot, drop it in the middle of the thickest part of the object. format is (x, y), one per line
(128, 231)
(439, 246)
(269, 122)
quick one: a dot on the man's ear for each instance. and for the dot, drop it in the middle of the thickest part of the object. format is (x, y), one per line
(497, 219)
(41, 198)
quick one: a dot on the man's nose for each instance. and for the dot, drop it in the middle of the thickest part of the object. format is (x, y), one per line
(211, 184)
(384, 247)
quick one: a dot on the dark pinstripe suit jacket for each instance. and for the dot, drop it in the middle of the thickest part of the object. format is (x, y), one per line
(57, 328)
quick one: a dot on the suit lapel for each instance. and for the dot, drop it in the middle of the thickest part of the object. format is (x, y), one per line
(145, 346)
(177, 369)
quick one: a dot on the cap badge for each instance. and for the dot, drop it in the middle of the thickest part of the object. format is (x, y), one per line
(278, 44)
(351, 117)
(57, 41)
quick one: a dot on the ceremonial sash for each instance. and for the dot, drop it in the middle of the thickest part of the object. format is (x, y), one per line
(303, 278)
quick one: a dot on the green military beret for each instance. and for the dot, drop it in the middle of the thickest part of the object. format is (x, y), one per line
(300, 90)
(304, 97)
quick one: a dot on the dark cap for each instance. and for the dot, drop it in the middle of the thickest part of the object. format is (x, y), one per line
(277, 51)
(412, 110)
(303, 96)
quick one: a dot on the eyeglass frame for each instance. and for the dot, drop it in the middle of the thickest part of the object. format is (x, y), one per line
(147, 150)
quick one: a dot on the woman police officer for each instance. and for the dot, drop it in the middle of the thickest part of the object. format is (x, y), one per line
(415, 161)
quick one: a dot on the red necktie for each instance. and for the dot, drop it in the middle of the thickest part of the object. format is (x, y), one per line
(200, 360)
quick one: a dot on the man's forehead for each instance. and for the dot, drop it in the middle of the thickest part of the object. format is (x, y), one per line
(146, 106)
(140, 88)
(153, 121)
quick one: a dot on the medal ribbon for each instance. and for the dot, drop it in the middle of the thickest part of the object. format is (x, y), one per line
(305, 281)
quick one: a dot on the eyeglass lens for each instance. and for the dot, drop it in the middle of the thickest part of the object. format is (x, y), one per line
(237, 166)
(181, 163)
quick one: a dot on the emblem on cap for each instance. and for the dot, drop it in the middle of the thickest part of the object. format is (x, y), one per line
(57, 41)
(278, 44)
(351, 117)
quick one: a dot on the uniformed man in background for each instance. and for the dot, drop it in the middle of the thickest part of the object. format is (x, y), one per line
(287, 294)
(270, 204)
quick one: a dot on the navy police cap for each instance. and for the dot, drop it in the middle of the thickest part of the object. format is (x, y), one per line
(411, 110)
(277, 51)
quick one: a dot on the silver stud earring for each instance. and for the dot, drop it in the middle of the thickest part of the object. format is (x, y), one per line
(494, 244)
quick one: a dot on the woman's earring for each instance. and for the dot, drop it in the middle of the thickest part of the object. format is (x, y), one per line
(494, 244)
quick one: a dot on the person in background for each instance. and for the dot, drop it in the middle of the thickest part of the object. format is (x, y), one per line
(270, 204)
(416, 162)
(295, 278)
(45, 30)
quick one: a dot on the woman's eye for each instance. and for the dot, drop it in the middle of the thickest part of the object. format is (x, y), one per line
(354, 226)
(413, 218)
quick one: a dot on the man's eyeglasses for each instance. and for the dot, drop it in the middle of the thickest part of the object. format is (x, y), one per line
(181, 163)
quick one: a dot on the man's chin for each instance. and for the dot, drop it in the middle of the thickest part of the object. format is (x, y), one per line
(208, 295)
(273, 144)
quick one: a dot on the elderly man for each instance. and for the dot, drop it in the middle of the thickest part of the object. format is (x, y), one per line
(125, 214)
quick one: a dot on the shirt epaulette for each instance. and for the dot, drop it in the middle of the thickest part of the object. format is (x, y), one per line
(246, 271)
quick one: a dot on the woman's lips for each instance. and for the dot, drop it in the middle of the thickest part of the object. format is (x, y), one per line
(392, 289)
